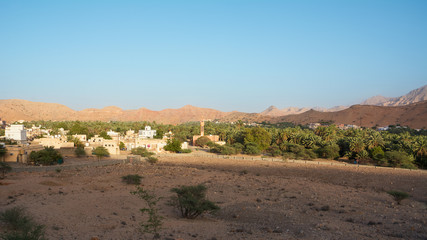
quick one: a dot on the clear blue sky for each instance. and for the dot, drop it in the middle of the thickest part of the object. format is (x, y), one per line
(222, 54)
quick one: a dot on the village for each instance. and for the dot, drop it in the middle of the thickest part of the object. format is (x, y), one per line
(19, 142)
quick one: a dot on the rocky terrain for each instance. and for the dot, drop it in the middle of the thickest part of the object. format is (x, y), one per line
(258, 200)
(413, 115)
(417, 95)
(409, 110)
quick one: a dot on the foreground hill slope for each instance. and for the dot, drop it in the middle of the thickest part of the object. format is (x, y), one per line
(413, 115)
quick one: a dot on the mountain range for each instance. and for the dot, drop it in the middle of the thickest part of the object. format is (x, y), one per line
(417, 95)
(410, 110)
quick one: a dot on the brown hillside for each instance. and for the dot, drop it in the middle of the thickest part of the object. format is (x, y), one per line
(14, 109)
(413, 115)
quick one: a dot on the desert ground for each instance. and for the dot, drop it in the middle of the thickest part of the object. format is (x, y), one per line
(258, 200)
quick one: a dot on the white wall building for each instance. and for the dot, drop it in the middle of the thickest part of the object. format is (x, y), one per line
(147, 133)
(16, 132)
(113, 134)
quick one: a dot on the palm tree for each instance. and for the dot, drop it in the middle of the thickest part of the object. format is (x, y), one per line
(357, 144)
(374, 139)
(420, 146)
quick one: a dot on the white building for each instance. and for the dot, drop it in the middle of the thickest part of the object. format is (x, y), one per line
(16, 132)
(147, 133)
(113, 134)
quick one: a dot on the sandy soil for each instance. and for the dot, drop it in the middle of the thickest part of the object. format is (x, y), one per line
(258, 200)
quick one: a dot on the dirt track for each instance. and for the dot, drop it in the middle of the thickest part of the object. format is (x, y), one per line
(258, 200)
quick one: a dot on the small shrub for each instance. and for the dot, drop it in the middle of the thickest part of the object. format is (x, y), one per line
(239, 147)
(202, 141)
(185, 151)
(274, 151)
(306, 154)
(132, 179)
(80, 152)
(399, 159)
(288, 155)
(154, 222)
(243, 172)
(252, 148)
(224, 149)
(4, 168)
(143, 152)
(19, 225)
(228, 150)
(192, 202)
(398, 196)
(152, 160)
(100, 152)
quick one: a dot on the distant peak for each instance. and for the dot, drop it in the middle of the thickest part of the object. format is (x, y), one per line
(112, 108)
(188, 106)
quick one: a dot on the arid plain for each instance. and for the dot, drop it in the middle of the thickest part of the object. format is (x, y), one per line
(258, 200)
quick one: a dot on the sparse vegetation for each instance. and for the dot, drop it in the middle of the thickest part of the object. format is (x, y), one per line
(191, 201)
(154, 223)
(152, 160)
(185, 151)
(80, 151)
(4, 168)
(398, 195)
(20, 226)
(100, 152)
(143, 152)
(132, 179)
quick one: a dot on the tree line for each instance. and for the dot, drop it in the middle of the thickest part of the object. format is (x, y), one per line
(397, 147)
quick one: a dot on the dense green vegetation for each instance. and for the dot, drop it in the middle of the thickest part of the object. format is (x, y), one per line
(397, 147)
(47, 156)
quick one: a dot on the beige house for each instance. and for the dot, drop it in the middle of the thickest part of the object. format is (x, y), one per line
(20, 153)
(111, 145)
(81, 137)
(53, 142)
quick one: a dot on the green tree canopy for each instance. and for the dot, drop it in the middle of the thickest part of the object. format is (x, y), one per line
(47, 156)
(259, 136)
(101, 152)
(173, 145)
(202, 141)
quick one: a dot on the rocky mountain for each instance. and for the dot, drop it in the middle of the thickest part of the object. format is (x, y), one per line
(417, 95)
(273, 111)
(412, 115)
(378, 110)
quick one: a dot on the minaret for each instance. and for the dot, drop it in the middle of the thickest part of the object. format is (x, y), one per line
(202, 128)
